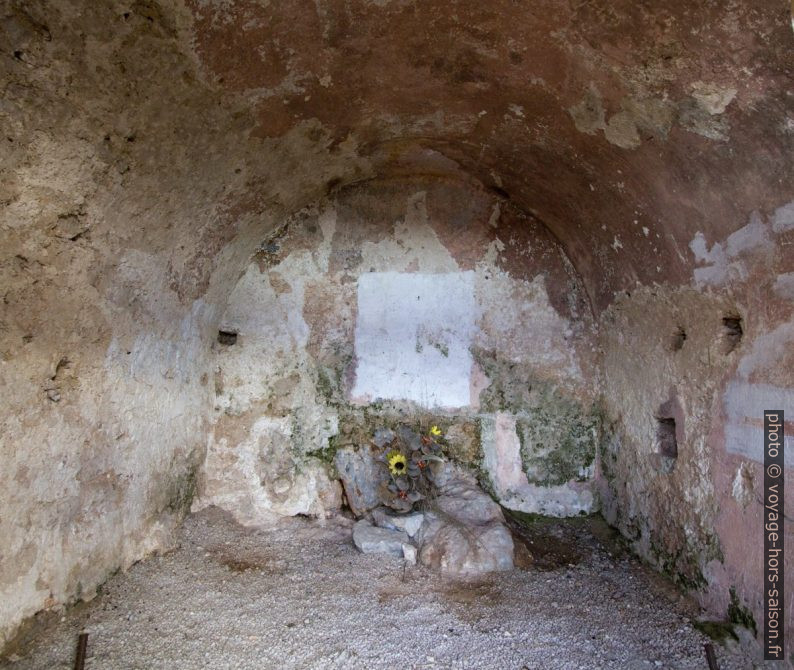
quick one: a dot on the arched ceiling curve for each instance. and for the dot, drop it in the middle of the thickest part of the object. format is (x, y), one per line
(187, 130)
(603, 119)
(148, 146)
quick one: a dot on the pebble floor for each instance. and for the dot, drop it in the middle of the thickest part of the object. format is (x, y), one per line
(301, 597)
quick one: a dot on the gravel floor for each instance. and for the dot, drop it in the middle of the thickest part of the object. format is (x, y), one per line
(302, 597)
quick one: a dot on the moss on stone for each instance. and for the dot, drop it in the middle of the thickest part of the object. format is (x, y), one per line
(558, 443)
(330, 378)
(719, 631)
(328, 454)
(182, 490)
(324, 384)
(464, 442)
(680, 566)
(740, 614)
(484, 480)
(609, 448)
(559, 434)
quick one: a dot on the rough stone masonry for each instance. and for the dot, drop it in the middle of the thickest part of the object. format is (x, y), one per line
(592, 203)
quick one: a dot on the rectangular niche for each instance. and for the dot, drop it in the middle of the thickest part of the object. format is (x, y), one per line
(665, 437)
(412, 338)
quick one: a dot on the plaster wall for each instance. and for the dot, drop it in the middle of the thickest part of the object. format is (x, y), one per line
(147, 147)
(698, 516)
(366, 309)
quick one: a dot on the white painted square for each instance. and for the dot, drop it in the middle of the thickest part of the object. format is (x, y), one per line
(412, 339)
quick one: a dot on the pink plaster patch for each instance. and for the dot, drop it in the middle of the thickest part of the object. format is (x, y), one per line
(508, 475)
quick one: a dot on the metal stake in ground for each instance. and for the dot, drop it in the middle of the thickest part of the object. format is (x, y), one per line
(79, 658)
(711, 657)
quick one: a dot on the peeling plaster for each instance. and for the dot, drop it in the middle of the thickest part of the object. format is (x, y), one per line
(332, 325)
(503, 465)
(269, 106)
(744, 406)
(713, 98)
(783, 218)
(725, 260)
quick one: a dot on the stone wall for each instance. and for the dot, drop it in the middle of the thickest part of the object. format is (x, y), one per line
(148, 147)
(414, 301)
(118, 201)
(714, 355)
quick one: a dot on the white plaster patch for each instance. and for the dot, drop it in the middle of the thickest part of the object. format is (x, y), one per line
(712, 97)
(744, 405)
(766, 350)
(784, 286)
(752, 236)
(717, 275)
(783, 218)
(412, 338)
(742, 489)
(744, 402)
(701, 251)
(724, 261)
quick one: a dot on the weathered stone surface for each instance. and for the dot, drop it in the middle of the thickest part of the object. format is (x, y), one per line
(410, 553)
(507, 474)
(370, 539)
(464, 534)
(623, 128)
(360, 475)
(254, 476)
(383, 436)
(463, 442)
(407, 523)
(467, 503)
(300, 296)
(456, 549)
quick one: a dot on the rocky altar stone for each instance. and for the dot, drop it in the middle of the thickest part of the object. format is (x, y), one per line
(370, 539)
(409, 553)
(383, 436)
(468, 504)
(408, 523)
(465, 534)
(360, 477)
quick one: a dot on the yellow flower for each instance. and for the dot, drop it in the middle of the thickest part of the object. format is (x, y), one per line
(435, 431)
(397, 463)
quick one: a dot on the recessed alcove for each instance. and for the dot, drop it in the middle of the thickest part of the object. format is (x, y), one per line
(665, 436)
(376, 334)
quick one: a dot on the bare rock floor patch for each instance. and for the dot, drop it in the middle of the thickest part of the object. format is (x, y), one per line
(302, 597)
